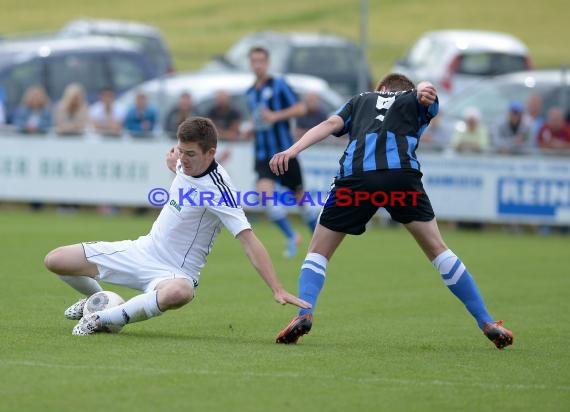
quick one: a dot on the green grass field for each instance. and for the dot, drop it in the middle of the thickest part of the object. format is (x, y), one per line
(387, 335)
(198, 29)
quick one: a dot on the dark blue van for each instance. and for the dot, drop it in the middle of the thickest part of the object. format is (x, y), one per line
(95, 62)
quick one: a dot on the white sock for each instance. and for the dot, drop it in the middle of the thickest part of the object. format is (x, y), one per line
(141, 307)
(82, 284)
(444, 261)
(319, 259)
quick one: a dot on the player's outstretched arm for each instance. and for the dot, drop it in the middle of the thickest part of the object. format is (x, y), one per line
(259, 258)
(279, 163)
(171, 159)
(427, 94)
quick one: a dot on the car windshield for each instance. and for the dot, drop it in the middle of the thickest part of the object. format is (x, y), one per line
(426, 52)
(490, 64)
(318, 60)
(491, 99)
(337, 65)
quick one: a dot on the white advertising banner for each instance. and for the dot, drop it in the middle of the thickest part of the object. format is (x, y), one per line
(84, 171)
(93, 170)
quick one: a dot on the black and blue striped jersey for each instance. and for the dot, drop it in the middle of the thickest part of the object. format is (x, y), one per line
(384, 130)
(275, 94)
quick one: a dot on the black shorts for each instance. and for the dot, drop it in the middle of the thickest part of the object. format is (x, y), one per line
(292, 179)
(355, 199)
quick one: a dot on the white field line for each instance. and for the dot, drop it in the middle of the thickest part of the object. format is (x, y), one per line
(296, 375)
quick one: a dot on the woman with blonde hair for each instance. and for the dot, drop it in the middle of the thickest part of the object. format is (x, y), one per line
(33, 116)
(71, 113)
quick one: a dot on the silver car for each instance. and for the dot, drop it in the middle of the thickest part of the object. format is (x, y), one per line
(333, 58)
(163, 93)
(493, 96)
(455, 59)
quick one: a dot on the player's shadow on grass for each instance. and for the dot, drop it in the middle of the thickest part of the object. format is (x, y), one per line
(190, 336)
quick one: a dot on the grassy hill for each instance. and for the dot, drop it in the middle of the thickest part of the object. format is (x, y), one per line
(198, 29)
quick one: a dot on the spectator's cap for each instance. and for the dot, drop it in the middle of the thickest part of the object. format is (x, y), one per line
(472, 113)
(516, 107)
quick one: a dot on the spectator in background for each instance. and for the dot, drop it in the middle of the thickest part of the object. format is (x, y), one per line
(141, 118)
(71, 113)
(183, 109)
(555, 133)
(226, 118)
(106, 115)
(512, 134)
(534, 112)
(474, 137)
(312, 117)
(33, 116)
(435, 136)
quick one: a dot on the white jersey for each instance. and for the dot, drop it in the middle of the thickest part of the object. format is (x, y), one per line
(184, 232)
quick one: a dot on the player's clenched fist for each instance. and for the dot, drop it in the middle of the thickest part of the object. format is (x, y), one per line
(279, 163)
(427, 93)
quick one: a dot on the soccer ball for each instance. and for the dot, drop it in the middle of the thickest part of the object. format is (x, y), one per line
(100, 301)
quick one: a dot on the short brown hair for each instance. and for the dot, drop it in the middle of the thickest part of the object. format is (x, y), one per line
(259, 49)
(395, 82)
(200, 130)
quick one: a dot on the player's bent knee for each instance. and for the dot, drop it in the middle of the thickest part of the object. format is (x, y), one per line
(182, 296)
(176, 294)
(53, 260)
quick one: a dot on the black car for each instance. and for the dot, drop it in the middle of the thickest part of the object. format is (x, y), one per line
(335, 59)
(95, 62)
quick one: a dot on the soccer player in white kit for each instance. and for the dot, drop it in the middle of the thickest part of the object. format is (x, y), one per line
(166, 263)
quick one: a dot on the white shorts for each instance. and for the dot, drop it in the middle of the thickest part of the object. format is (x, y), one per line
(124, 263)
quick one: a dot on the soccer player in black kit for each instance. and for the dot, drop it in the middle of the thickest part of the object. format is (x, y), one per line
(384, 128)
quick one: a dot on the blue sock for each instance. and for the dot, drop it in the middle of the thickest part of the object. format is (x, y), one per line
(285, 226)
(460, 282)
(312, 279)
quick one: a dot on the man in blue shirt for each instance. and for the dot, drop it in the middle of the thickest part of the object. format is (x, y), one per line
(273, 103)
(140, 120)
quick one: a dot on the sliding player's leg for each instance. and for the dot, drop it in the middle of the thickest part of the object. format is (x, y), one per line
(167, 295)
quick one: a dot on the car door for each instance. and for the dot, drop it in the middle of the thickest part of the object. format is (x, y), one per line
(15, 80)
